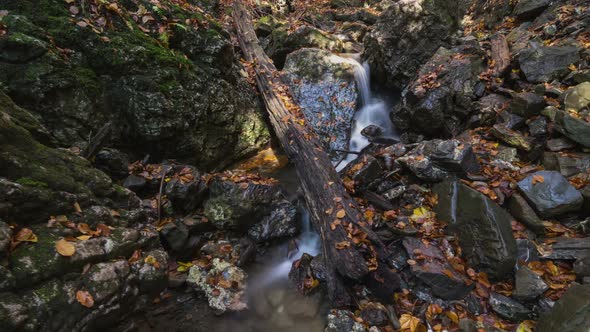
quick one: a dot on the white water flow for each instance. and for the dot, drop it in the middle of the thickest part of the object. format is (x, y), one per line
(308, 242)
(373, 111)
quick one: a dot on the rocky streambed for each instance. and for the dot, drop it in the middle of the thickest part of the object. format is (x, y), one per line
(483, 200)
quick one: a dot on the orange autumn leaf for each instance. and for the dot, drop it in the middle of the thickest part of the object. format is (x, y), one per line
(538, 179)
(410, 323)
(65, 248)
(85, 298)
(341, 214)
(342, 245)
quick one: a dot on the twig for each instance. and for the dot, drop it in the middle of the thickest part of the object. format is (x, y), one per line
(164, 171)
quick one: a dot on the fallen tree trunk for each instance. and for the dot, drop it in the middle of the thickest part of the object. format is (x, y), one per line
(351, 250)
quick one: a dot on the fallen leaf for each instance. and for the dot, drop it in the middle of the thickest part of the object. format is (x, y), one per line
(85, 298)
(538, 179)
(342, 245)
(151, 260)
(26, 235)
(411, 323)
(341, 214)
(83, 237)
(453, 316)
(65, 248)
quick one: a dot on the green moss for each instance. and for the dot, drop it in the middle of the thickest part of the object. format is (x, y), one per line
(32, 183)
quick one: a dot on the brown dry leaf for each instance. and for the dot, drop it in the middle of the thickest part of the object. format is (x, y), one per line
(341, 214)
(103, 229)
(65, 248)
(84, 228)
(135, 257)
(342, 245)
(77, 207)
(538, 179)
(25, 235)
(83, 237)
(411, 324)
(85, 298)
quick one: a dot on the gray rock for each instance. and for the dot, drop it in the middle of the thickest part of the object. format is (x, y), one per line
(546, 63)
(578, 97)
(365, 171)
(526, 251)
(568, 249)
(582, 267)
(112, 162)
(526, 104)
(323, 85)
(483, 227)
(559, 144)
(342, 321)
(468, 325)
(508, 308)
(175, 235)
(529, 9)
(239, 205)
(5, 237)
(396, 48)
(441, 105)
(135, 183)
(523, 212)
(375, 314)
(568, 164)
(571, 312)
(528, 285)
(552, 197)
(281, 222)
(221, 299)
(436, 272)
(575, 129)
(538, 127)
(186, 195)
(512, 137)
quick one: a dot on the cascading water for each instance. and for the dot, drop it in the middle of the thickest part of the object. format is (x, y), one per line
(373, 111)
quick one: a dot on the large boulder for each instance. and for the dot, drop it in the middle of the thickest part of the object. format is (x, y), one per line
(578, 97)
(546, 63)
(323, 84)
(483, 227)
(571, 312)
(441, 99)
(550, 193)
(407, 34)
(181, 96)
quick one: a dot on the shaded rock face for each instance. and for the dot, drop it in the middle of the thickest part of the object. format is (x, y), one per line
(434, 271)
(508, 308)
(195, 108)
(529, 9)
(577, 98)
(553, 196)
(281, 222)
(483, 227)
(575, 129)
(323, 85)
(528, 285)
(438, 159)
(440, 101)
(407, 34)
(545, 63)
(567, 164)
(571, 312)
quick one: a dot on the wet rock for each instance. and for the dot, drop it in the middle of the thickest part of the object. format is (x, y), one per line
(483, 227)
(175, 235)
(526, 251)
(281, 222)
(529, 9)
(364, 170)
(510, 120)
(571, 312)
(553, 196)
(323, 85)
(112, 162)
(526, 104)
(98, 214)
(5, 237)
(559, 144)
(577, 98)
(375, 314)
(440, 101)
(305, 271)
(524, 213)
(568, 164)
(508, 308)
(468, 325)
(528, 285)
(568, 249)
(546, 63)
(341, 321)
(507, 154)
(239, 205)
(575, 129)
(538, 127)
(511, 137)
(407, 34)
(228, 292)
(186, 192)
(435, 271)
(135, 183)
(582, 267)
(437, 159)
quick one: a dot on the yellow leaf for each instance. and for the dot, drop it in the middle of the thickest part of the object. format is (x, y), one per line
(83, 237)
(151, 260)
(452, 316)
(419, 213)
(340, 214)
(65, 248)
(182, 267)
(410, 323)
(85, 298)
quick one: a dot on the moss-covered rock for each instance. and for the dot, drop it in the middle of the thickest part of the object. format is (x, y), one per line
(170, 93)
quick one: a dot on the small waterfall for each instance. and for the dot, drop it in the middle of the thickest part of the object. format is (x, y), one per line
(373, 111)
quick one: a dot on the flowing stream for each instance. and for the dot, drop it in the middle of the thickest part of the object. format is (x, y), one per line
(373, 111)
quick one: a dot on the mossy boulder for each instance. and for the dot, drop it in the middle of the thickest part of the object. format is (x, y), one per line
(170, 93)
